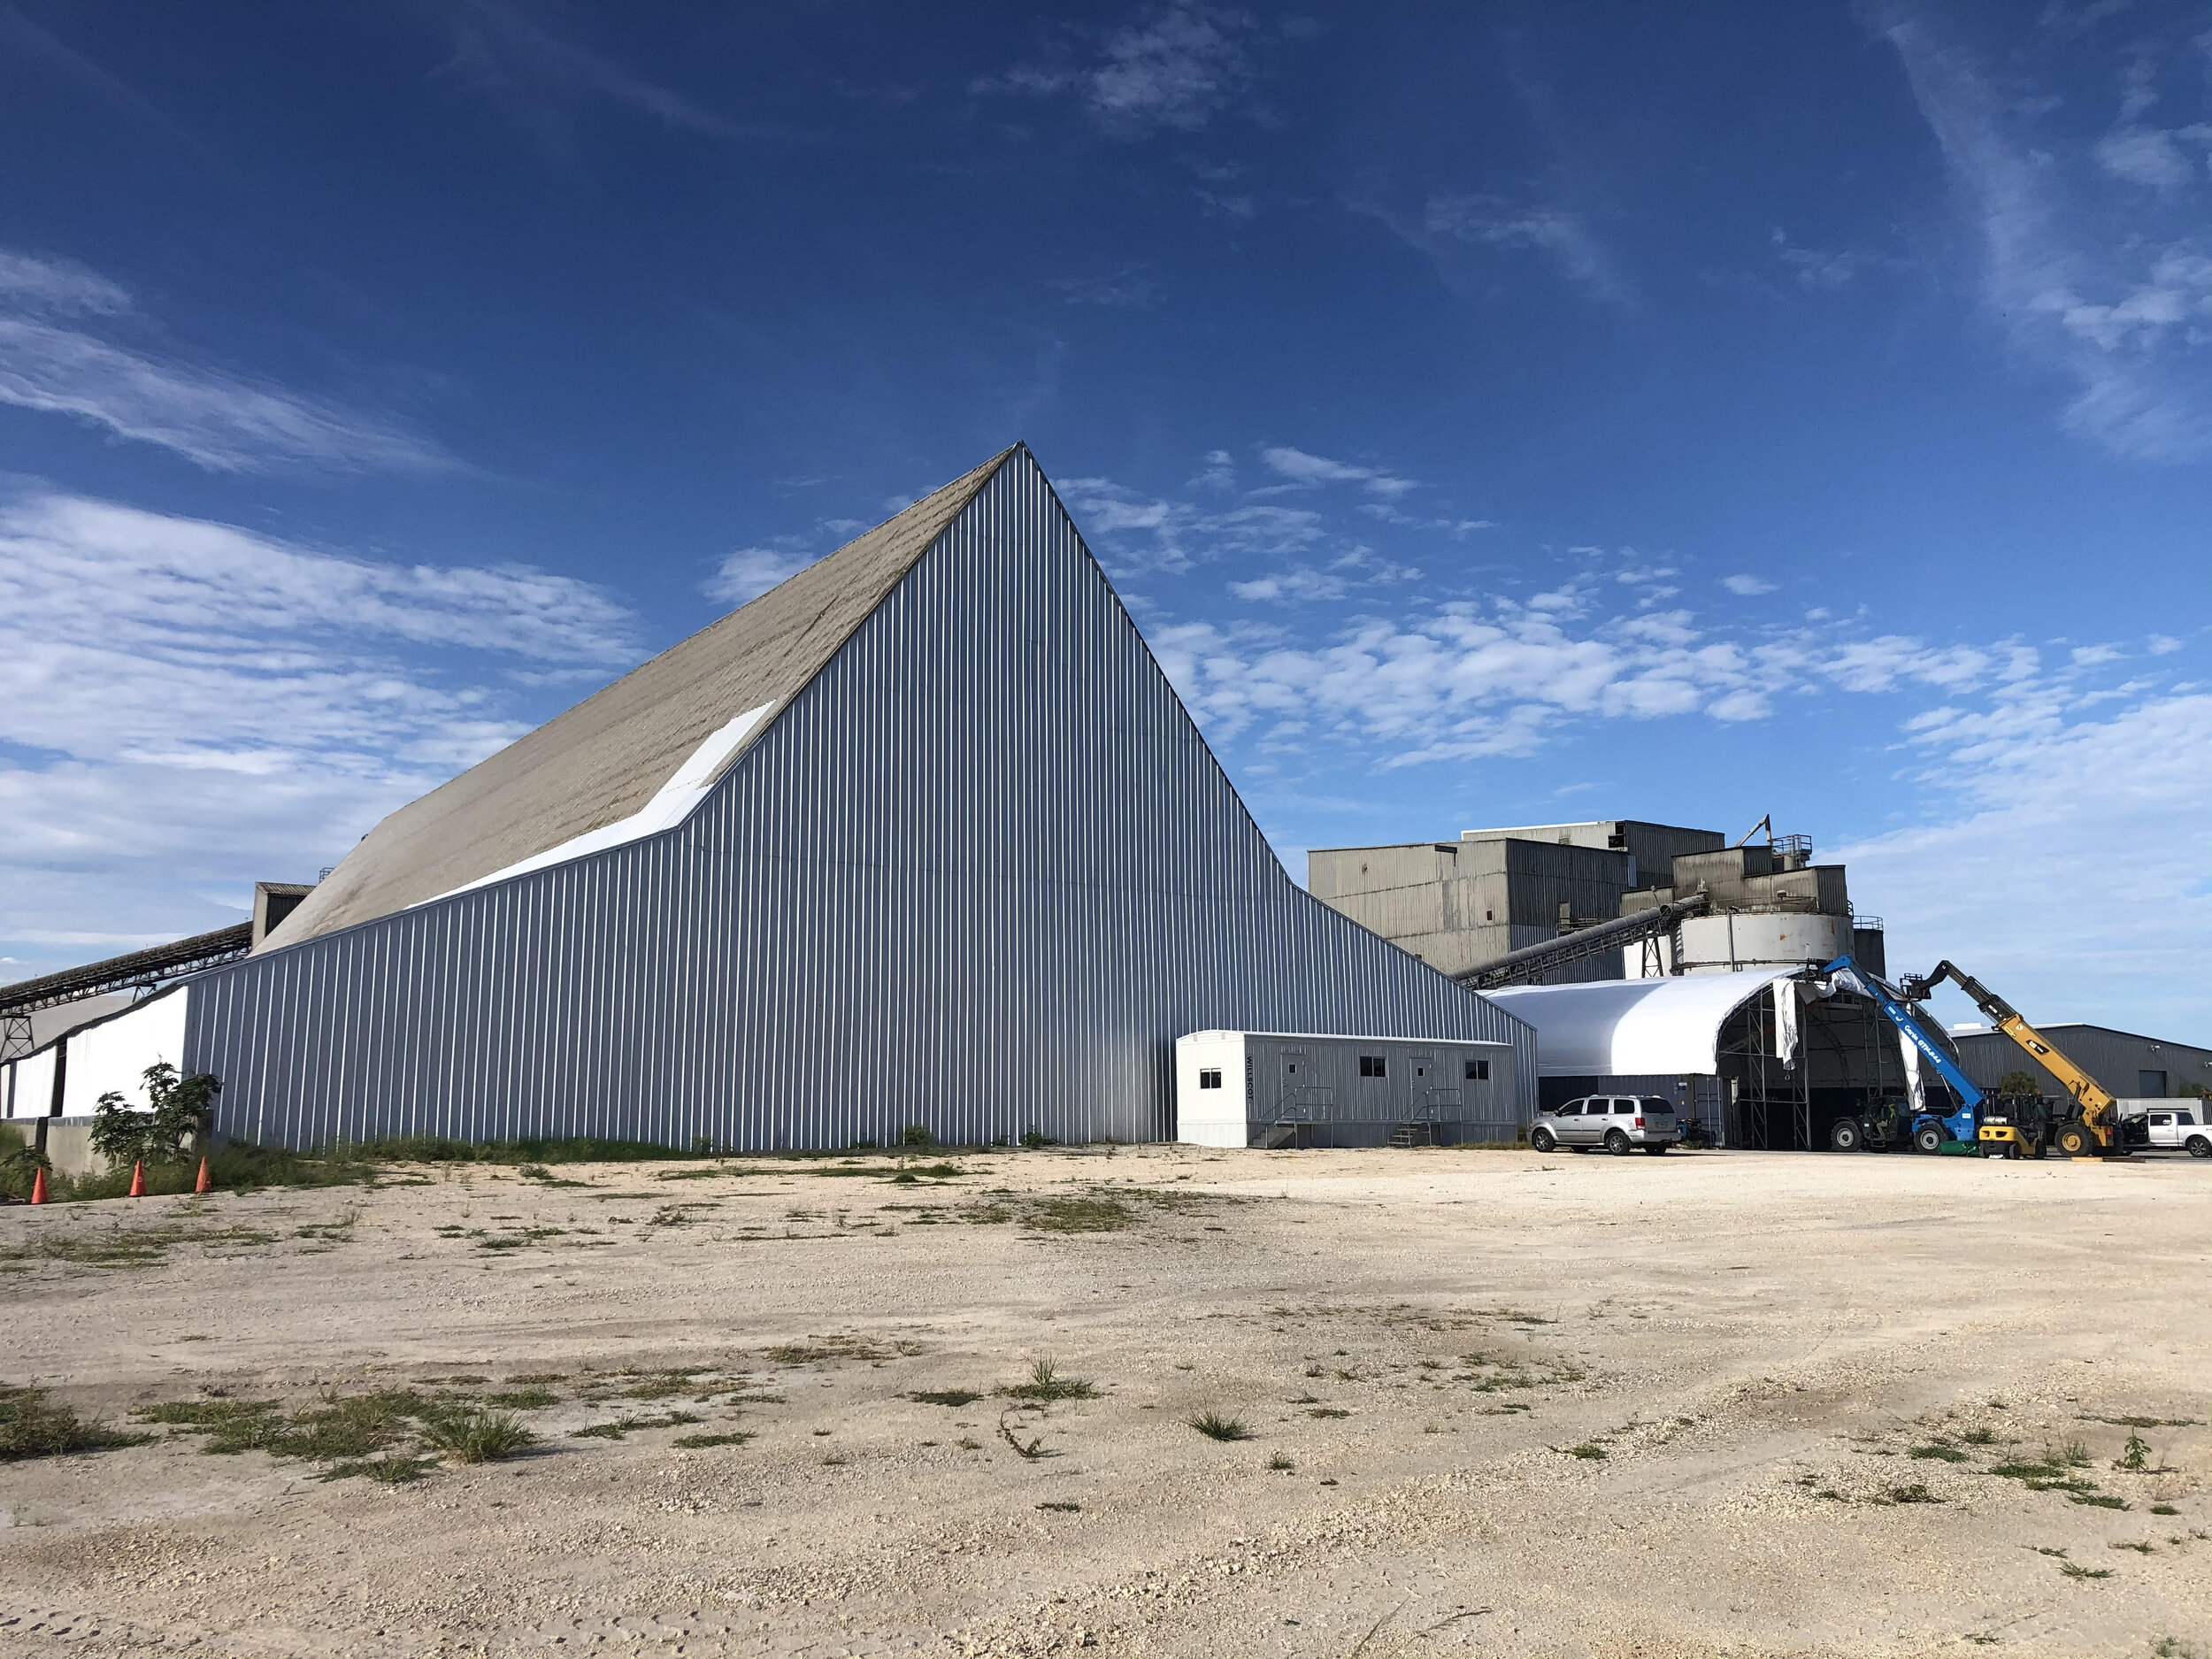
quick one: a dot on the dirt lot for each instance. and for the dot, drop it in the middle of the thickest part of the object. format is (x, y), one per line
(1497, 1403)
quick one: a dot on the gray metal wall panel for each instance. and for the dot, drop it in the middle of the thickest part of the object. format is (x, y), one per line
(980, 875)
(2113, 1058)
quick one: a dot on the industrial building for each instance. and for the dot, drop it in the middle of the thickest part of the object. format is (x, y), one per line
(922, 836)
(1652, 957)
(2125, 1065)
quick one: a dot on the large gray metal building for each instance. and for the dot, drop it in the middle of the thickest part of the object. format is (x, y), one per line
(922, 835)
(2124, 1064)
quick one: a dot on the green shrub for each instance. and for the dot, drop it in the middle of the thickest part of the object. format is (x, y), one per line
(32, 1425)
(1215, 1426)
(181, 1107)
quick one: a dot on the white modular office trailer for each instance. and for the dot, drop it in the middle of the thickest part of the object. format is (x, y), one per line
(1266, 1088)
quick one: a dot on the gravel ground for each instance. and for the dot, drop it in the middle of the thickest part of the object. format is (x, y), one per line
(1722, 1404)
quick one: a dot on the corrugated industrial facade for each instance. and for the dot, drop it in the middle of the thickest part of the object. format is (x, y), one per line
(2118, 1060)
(978, 874)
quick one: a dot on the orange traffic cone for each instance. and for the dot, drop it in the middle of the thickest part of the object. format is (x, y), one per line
(204, 1184)
(138, 1179)
(38, 1187)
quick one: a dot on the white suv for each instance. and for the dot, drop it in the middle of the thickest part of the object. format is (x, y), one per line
(1616, 1122)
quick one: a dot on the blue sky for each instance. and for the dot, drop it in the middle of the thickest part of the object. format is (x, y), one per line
(1493, 414)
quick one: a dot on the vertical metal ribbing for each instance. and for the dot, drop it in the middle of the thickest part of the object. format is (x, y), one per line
(979, 874)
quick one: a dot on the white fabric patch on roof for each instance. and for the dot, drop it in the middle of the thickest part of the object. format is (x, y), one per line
(1632, 1027)
(671, 804)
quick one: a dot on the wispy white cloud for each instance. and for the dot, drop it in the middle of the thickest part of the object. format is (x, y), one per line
(1303, 469)
(1746, 584)
(751, 572)
(57, 284)
(1175, 69)
(541, 77)
(192, 706)
(2020, 847)
(1131, 287)
(2112, 287)
(1556, 230)
(52, 360)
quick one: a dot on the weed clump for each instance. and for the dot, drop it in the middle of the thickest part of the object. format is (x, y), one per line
(478, 1436)
(1215, 1426)
(34, 1424)
(698, 1443)
(621, 1426)
(953, 1397)
(391, 1471)
(1045, 1383)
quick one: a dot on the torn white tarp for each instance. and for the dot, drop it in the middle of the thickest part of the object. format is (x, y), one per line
(670, 806)
(1915, 1091)
(1634, 1027)
(1788, 1030)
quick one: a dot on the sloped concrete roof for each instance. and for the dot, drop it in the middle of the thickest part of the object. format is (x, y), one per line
(607, 757)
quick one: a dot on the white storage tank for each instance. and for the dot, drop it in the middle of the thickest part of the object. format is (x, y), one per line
(1740, 940)
(1263, 1088)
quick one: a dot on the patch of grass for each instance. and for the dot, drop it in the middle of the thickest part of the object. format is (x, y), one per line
(478, 1436)
(661, 1384)
(522, 1399)
(1215, 1426)
(574, 1149)
(621, 1426)
(1045, 1383)
(2140, 1548)
(2148, 1423)
(699, 1442)
(34, 1424)
(953, 1397)
(126, 1246)
(1588, 1449)
(1062, 1508)
(392, 1471)
(529, 1377)
(2075, 1570)
(2073, 1454)
(230, 1426)
(2097, 1500)
(347, 1426)
(831, 1349)
(1979, 1437)
(1281, 1463)
(2164, 1509)
(1328, 1411)
(1914, 1494)
(1940, 1452)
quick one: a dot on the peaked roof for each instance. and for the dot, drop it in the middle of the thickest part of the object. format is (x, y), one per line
(609, 757)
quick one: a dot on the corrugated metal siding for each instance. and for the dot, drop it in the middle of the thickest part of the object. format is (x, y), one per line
(980, 875)
(2113, 1058)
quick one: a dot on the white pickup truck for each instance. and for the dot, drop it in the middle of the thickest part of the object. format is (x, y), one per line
(2173, 1125)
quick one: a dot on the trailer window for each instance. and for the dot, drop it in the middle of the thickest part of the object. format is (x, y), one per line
(1478, 1070)
(1209, 1080)
(1373, 1065)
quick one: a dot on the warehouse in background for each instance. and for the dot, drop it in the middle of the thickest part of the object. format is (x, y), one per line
(2125, 1065)
(922, 836)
